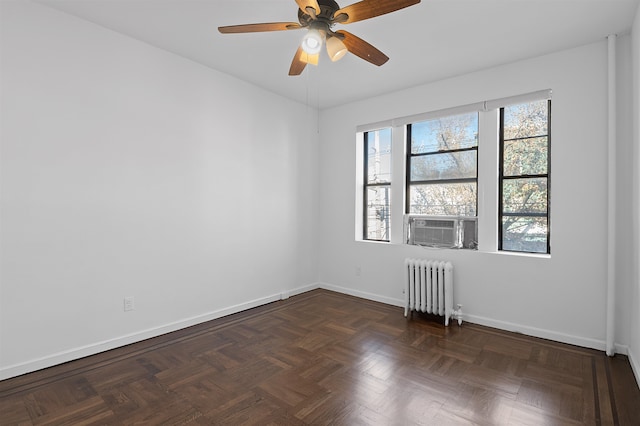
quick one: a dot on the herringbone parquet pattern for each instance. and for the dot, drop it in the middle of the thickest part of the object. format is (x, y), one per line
(325, 358)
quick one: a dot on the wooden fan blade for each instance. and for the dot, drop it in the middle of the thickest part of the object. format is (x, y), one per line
(297, 65)
(256, 28)
(361, 48)
(366, 9)
(303, 4)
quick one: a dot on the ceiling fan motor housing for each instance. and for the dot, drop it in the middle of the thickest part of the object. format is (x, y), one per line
(325, 17)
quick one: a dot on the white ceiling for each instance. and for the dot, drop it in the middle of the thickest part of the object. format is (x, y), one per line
(427, 42)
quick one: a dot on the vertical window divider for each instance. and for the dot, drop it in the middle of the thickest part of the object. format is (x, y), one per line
(488, 153)
(398, 167)
(407, 180)
(365, 180)
(500, 176)
(548, 175)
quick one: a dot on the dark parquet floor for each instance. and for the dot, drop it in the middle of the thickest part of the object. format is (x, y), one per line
(323, 358)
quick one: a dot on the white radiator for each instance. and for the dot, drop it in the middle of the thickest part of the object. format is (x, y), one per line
(429, 288)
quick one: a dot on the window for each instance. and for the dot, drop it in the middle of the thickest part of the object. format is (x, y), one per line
(442, 189)
(442, 166)
(523, 223)
(377, 185)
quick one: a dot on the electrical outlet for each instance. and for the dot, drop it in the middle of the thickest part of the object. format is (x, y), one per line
(358, 271)
(129, 304)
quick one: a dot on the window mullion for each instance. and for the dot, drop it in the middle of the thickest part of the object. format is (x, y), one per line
(443, 151)
(537, 176)
(443, 181)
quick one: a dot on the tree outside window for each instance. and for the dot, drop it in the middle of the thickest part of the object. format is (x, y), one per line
(442, 166)
(524, 177)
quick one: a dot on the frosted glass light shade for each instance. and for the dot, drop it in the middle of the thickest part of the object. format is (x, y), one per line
(312, 42)
(336, 48)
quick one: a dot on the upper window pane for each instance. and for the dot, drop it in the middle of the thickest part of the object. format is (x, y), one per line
(526, 156)
(379, 156)
(444, 134)
(448, 165)
(526, 120)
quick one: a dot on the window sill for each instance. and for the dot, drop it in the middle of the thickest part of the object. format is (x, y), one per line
(523, 254)
(501, 253)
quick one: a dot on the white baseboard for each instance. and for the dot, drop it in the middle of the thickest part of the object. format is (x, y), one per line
(634, 366)
(621, 349)
(362, 294)
(92, 349)
(537, 332)
(95, 348)
(286, 294)
(502, 325)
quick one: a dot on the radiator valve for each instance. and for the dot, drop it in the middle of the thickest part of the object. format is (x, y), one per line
(457, 313)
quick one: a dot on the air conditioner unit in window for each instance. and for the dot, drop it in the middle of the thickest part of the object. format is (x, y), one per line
(442, 231)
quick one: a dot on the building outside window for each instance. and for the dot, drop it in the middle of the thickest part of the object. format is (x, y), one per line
(377, 185)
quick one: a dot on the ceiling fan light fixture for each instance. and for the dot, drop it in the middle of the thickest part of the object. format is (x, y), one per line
(309, 59)
(312, 42)
(336, 49)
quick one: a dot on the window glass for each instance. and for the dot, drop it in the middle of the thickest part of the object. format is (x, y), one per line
(525, 234)
(378, 220)
(377, 185)
(448, 165)
(526, 156)
(524, 177)
(526, 120)
(446, 199)
(442, 166)
(446, 133)
(379, 156)
(525, 195)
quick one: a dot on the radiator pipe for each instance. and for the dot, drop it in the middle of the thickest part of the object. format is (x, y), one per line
(611, 211)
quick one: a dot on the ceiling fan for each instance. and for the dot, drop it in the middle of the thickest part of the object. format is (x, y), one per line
(319, 16)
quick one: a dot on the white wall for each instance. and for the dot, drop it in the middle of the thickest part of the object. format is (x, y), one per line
(129, 171)
(562, 297)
